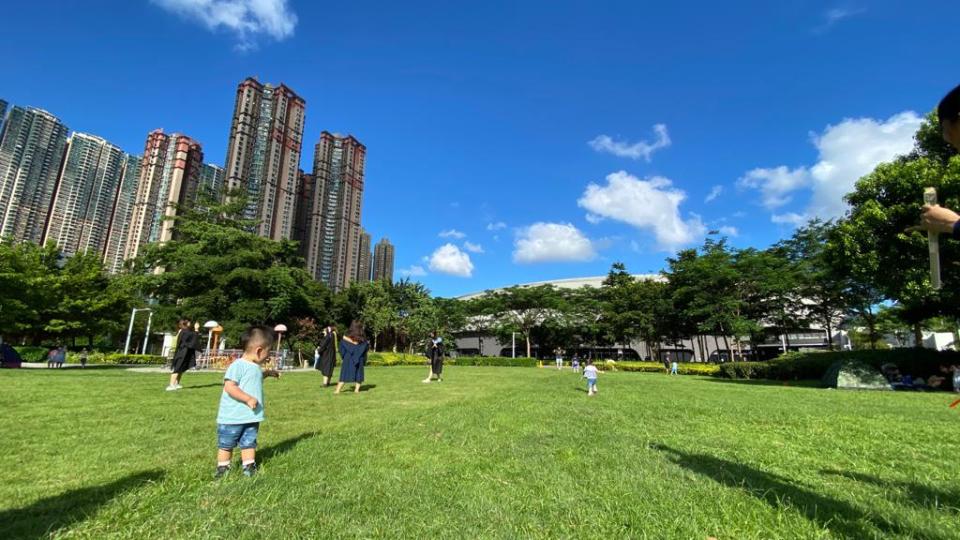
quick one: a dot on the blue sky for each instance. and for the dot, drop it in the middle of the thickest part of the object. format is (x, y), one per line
(555, 137)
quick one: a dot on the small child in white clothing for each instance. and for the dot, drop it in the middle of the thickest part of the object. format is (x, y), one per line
(590, 374)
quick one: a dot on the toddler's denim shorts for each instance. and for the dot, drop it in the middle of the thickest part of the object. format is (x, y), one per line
(230, 436)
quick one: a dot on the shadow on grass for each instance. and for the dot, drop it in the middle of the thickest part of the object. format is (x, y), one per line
(918, 494)
(195, 386)
(839, 517)
(266, 454)
(44, 518)
(765, 382)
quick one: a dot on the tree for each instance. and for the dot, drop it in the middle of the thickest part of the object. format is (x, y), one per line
(525, 309)
(884, 204)
(823, 291)
(214, 268)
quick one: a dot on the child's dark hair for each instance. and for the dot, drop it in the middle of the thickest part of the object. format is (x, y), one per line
(257, 336)
(590, 362)
(949, 108)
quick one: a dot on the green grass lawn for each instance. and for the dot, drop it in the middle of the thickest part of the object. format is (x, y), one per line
(488, 453)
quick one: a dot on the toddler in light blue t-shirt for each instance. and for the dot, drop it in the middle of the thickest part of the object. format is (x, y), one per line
(241, 402)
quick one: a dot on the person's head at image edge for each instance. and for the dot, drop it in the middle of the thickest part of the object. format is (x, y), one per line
(948, 112)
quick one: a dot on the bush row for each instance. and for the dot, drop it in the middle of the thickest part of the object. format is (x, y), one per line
(813, 365)
(399, 359)
(683, 368)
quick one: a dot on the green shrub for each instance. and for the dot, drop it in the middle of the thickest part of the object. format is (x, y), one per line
(120, 358)
(32, 354)
(401, 359)
(496, 361)
(744, 370)
(683, 368)
(795, 366)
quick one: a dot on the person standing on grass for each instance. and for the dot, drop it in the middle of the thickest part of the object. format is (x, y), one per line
(326, 354)
(51, 355)
(185, 357)
(558, 352)
(241, 402)
(353, 356)
(575, 363)
(83, 357)
(435, 355)
(60, 356)
(674, 367)
(590, 374)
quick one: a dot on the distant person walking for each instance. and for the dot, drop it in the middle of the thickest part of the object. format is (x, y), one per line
(353, 357)
(575, 363)
(435, 354)
(590, 374)
(326, 354)
(559, 354)
(83, 357)
(185, 355)
(51, 357)
(674, 366)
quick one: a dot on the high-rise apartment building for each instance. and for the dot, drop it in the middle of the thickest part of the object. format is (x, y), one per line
(365, 257)
(122, 214)
(383, 261)
(333, 224)
(302, 209)
(31, 152)
(83, 201)
(263, 154)
(211, 181)
(3, 115)
(169, 174)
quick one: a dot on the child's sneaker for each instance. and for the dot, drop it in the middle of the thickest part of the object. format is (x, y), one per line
(250, 470)
(222, 471)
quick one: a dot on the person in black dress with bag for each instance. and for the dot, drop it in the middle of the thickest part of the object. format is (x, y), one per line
(328, 354)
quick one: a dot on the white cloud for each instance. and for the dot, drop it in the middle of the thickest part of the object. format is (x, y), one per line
(775, 184)
(650, 204)
(448, 259)
(835, 15)
(847, 151)
(472, 248)
(714, 193)
(496, 226)
(552, 242)
(728, 230)
(452, 233)
(790, 218)
(413, 271)
(593, 218)
(642, 149)
(245, 18)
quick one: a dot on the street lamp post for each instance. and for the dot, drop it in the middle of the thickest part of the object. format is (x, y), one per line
(133, 315)
(279, 329)
(146, 335)
(210, 325)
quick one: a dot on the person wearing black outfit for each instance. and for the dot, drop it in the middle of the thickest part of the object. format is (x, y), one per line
(185, 356)
(434, 353)
(328, 354)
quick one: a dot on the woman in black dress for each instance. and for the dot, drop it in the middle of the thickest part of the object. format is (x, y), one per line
(353, 356)
(185, 357)
(434, 353)
(328, 354)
